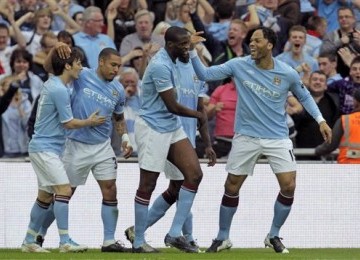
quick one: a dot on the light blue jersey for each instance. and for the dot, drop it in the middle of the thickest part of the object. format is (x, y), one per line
(262, 94)
(160, 75)
(53, 110)
(92, 93)
(190, 89)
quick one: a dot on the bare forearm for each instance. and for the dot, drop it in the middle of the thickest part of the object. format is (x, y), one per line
(77, 123)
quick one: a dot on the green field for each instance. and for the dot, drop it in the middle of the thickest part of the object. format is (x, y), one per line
(173, 254)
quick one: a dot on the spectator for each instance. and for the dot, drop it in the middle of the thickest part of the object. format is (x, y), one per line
(345, 36)
(5, 49)
(69, 8)
(290, 10)
(21, 67)
(345, 87)
(222, 106)
(307, 11)
(327, 65)
(14, 122)
(296, 56)
(144, 23)
(123, 21)
(26, 7)
(5, 100)
(329, 10)
(129, 79)
(345, 136)
(47, 42)
(90, 39)
(328, 103)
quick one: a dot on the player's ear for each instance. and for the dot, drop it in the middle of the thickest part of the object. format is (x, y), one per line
(270, 46)
(68, 66)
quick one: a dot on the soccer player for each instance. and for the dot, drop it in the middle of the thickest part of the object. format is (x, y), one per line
(53, 116)
(262, 84)
(190, 93)
(160, 137)
(90, 149)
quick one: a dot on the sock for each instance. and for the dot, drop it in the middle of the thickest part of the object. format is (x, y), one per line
(282, 209)
(142, 200)
(109, 216)
(159, 208)
(186, 198)
(37, 215)
(228, 208)
(48, 220)
(188, 227)
(61, 212)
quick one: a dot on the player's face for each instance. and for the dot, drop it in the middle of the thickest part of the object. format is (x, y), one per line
(76, 68)
(110, 67)
(259, 46)
(182, 47)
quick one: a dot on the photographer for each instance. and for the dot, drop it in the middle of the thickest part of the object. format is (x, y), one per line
(345, 36)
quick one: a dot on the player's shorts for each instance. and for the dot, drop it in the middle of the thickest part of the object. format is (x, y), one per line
(79, 158)
(172, 172)
(246, 150)
(153, 147)
(49, 169)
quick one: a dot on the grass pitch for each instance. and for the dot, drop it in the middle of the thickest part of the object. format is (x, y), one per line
(173, 254)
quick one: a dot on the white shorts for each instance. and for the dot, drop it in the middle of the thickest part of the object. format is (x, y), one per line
(49, 169)
(80, 158)
(153, 147)
(172, 172)
(246, 150)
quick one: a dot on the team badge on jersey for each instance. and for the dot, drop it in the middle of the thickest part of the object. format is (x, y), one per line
(115, 93)
(277, 81)
(195, 78)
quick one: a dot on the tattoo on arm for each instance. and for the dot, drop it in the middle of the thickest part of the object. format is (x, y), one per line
(120, 124)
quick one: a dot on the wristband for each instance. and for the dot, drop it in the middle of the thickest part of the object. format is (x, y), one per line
(125, 138)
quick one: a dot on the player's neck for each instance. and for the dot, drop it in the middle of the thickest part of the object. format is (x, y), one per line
(266, 63)
(170, 55)
(65, 78)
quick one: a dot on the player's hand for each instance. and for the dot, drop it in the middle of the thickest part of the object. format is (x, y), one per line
(127, 149)
(195, 38)
(211, 155)
(63, 50)
(326, 132)
(95, 119)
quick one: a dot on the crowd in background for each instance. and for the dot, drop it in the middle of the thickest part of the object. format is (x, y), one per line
(318, 38)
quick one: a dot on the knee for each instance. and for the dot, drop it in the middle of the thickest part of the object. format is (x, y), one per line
(64, 190)
(196, 178)
(232, 187)
(288, 189)
(109, 190)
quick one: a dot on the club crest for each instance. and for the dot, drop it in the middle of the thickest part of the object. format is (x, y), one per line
(277, 81)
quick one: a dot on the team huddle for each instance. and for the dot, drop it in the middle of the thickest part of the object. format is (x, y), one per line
(78, 108)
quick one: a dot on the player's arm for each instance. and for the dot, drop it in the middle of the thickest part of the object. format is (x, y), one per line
(168, 96)
(305, 98)
(93, 120)
(326, 148)
(204, 133)
(121, 130)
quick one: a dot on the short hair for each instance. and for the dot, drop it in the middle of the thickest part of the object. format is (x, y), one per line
(87, 14)
(344, 8)
(5, 27)
(172, 34)
(269, 35)
(225, 9)
(241, 23)
(297, 28)
(314, 22)
(318, 72)
(331, 56)
(106, 52)
(355, 60)
(18, 54)
(144, 12)
(58, 63)
(129, 70)
(65, 34)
